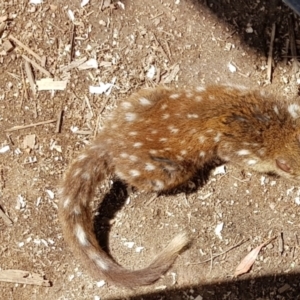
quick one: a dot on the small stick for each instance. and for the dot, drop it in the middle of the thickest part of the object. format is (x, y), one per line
(25, 92)
(162, 49)
(270, 55)
(30, 77)
(24, 47)
(30, 125)
(101, 6)
(72, 38)
(40, 68)
(281, 243)
(59, 121)
(293, 44)
(222, 253)
(88, 104)
(83, 132)
(23, 277)
(160, 14)
(5, 218)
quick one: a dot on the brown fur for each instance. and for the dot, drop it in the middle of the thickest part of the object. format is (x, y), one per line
(156, 140)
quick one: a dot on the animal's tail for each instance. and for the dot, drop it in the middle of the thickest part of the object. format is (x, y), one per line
(86, 172)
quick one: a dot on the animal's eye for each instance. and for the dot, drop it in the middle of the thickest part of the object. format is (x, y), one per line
(283, 165)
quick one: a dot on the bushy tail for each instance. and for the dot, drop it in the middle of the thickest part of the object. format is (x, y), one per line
(86, 172)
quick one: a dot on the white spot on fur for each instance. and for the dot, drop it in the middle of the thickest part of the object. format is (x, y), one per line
(144, 101)
(173, 129)
(202, 139)
(217, 137)
(114, 126)
(133, 158)
(163, 140)
(179, 157)
(200, 89)
(174, 96)
(85, 176)
(251, 162)
(192, 116)
(130, 117)
(202, 154)
(137, 145)
(124, 155)
(81, 236)
(152, 151)
(134, 173)
(154, 131)
(183, 152)
(165, 116)
(77, 172)
(159, 185)
(164, 106)
(77, 210)
(262, 151)
(126, 105)
(67, 202)
(243, 152)
(198, 98)
(81, 157)
(293, 109)
(211, 97)
(132, 133)
(276, 110)
(149, 167)
(189, 94)
(98, 260)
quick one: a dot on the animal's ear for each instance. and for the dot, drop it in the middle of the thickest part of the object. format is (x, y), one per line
(283, 165)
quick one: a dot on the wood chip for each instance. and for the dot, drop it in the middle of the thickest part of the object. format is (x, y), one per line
(29, 141)
(19, 43)
(172, 75)
(47, 84)
(5, 218)
(24, 277)
(37, 66)
(28, 71)
(73, 64)
(7, 45)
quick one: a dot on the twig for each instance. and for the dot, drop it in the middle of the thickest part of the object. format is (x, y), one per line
(101, 5)
(23, 277)
(270, 55)
(99, 115)
(160, 14)
(72, 38)
(154, 197)
(160, 46)
(30, 77)
(222, 253)
(5, 218)
(40, 68)
(59, 120)
(24, 47)
(25, 92)
(30, 125)
(293, 44)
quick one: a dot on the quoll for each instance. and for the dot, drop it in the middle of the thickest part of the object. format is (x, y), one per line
(159, 138)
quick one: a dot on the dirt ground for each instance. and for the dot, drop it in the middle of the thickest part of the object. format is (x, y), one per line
(186, 43)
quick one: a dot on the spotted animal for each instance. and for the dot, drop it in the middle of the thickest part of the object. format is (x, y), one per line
(159, 138)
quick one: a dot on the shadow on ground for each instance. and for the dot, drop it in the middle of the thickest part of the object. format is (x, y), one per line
(252, 21)
(281, 287)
